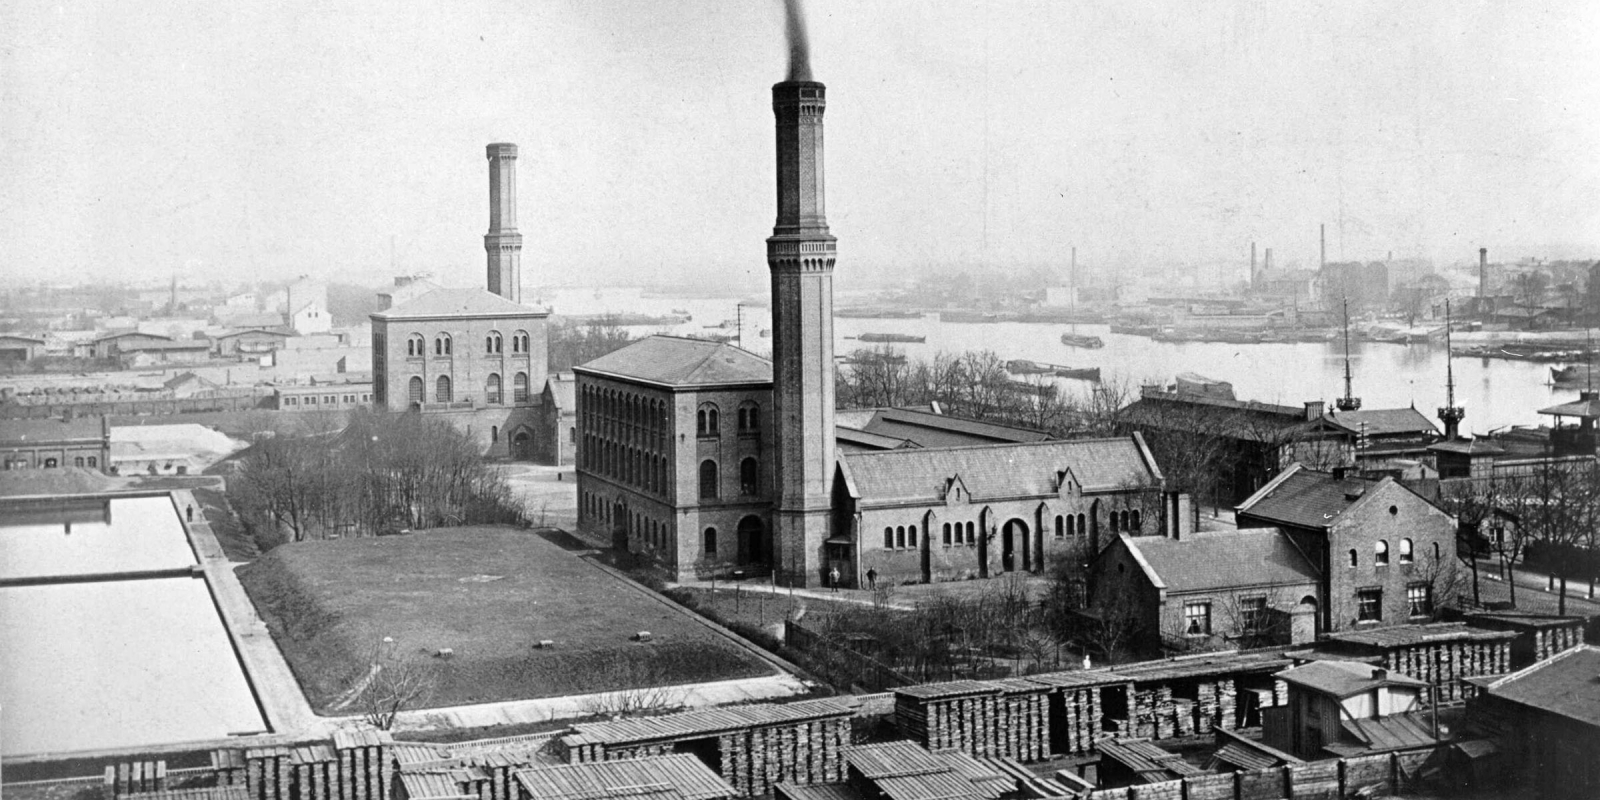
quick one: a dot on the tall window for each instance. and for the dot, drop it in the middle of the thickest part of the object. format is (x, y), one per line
(947, 534)
(1405, 551)
(972, 537)
(416, 347)
(1252, 613)
(492, 343)
(911, 536)
(414, 390)
(1353, 557)
(1070, 526)
(492, 390)
(888, 537)
(1381, 553)
(707, 421)
(711, 541)
(708, 479)
(519, 388)
(900, 536)
(1113, 516)
(1196, 619)
(749, 418)
(441, 393)
(749, 477)
(1419, 600)
(519, 342)
(1369, 605)
(441, 344)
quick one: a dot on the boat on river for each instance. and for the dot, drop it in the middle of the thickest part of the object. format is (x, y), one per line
(891, 337)
(1081, 340)
(1022, 366)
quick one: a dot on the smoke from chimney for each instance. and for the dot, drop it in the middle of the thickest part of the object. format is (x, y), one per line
(799, 42)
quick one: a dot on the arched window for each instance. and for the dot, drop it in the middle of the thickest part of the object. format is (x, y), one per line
(519, 342)
(1083, 525)
(971, 535)
(888, 538)
(416, 346)
(441, 344)
(1353, 557)
(749, 477)
(1071, 527)
(1405, 551)
(947, 534)
(900, 536)
(494, 434)
(78, 461)
(519, 388)
(441, 391)
(1381, 556)
(1061, 526)
(95, 462)
(710, 541)
(1134, 517)
(911, 536)
(492, 390)
(1435, 544)
(707, 421)
(1113, 516)
(708, 479)
(749, 417)
(414, 390)
(493, 343)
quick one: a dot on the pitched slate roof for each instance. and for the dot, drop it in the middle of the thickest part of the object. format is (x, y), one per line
(1305, 498)
(998, 470)
(674, 777)
(676, 361)
(1344, 678)
(1393, 732)
(564, 389)
(1566, 684)
(1222, 560)
(1577, 408)
(927, 429)
(1383, 421)
(458, 302)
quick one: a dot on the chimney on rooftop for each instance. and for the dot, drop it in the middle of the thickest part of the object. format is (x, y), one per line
(1483, 272)
(1380, 674)
(1314, 410)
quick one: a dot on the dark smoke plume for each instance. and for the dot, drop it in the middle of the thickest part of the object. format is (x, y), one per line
(799, 45)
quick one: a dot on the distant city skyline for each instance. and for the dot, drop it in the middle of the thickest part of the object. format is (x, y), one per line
(270, 140)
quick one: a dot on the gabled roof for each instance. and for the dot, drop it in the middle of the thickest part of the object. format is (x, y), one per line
(927, 429)
(1221, 560)
(183, 378)
(679, 362)
(1383, 734)
(999, 470)
(1342, 679)
(1566, 684)
(563, 388)
(51, 430)
(1468, 447)
(269, 330)
(123, 334)
(1586, 407)
(1307, 498)
(856, 440)
(1383, 421)
(458, 303)
(18, 338)
(675, 777)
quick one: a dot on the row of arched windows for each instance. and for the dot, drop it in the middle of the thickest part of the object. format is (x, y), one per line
(960, 534)
(1071, 525)
(899, 537)
(1380, 553)
(624, 437)
(708, 419)
(443, 391)
(1125, 520)
(711, 478)
(444, 345)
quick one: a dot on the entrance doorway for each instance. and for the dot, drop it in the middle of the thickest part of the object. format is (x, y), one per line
(752, 541)
(522, 446)
(1013, 540)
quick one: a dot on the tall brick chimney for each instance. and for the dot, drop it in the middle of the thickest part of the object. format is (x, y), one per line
(800, 256)
(503, 244)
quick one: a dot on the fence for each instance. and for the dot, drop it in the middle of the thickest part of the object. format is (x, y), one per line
(841, 665)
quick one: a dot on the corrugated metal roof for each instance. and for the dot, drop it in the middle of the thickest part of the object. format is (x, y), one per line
(933, 691)
(1408, 635)
(711, 721)
(890, 759)
(1243, 757)
(1206, 664)
(1394, 732)
(1383, 421)
(1563, 684)
(938, 430)
(933, 786)
(1305, 498)
(441, 785)
(1151, 762)
(826, 791)
(674, 777)
(675, 361)
(997, 471)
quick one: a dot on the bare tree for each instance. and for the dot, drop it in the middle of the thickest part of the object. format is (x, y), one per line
(647, 694)
(394, 684)
(1444, 580)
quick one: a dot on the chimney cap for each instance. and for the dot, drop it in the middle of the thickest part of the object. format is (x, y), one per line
(501, 149)
(1379, 674)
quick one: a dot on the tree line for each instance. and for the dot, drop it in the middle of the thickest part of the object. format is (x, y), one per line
(378, 473)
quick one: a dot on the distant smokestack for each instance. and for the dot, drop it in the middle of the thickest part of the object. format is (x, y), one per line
(1266, 265)
(1072, 276)
(503, 243)
(1255, 279)
(1483, 272)
(799, 42)
(1323, 260)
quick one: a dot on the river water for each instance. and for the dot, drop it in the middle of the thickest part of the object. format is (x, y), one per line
(1496, 393)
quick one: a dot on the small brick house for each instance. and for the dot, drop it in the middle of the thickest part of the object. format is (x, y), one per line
(1386, 555)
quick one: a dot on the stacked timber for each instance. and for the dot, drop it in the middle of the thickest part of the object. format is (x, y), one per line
(135, 777)
(1023, 730)
(228, 766)
(267, 775)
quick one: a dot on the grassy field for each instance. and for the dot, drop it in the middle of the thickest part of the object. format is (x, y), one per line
(489, 595)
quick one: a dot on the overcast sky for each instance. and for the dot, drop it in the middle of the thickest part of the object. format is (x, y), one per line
(267, 139)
